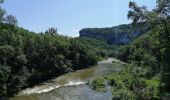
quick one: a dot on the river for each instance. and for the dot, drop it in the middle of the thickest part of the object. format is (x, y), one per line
(73, 86)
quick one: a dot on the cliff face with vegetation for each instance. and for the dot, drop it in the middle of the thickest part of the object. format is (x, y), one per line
(117, 35)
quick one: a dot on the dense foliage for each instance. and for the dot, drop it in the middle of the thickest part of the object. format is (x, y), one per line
(27, 58)
(141, 79)
(99, 85)
(147, 76)
(101, 48)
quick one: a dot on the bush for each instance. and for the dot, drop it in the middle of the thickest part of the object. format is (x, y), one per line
(123, 94)
(99, 84)
(152, 88)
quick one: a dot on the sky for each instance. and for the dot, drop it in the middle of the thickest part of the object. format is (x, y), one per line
(70, 16)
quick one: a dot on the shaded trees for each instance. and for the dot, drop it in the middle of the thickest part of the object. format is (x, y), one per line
(159, 18)
(11, 20)
(147, 76)
(2, 12)
(27, 58)
(8, 19)
(51, 31)
(100, 47)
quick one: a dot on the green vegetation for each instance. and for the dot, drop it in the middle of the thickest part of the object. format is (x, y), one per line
(27, 58)
(101, 48)
(115, 61)
(99, 85)
(130, 85)
(118, 35)
(147, 76)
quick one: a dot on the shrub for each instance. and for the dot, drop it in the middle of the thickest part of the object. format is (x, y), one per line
(99, 84)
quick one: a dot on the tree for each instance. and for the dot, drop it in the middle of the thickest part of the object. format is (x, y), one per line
(4, 75)
(2, 12)
(6, 54)
(51, 31)
(160, 16)
(159, 19)
(11, 20)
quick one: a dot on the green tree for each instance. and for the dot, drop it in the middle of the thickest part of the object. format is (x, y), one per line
(2, 12)
(4, 75)
(11, 20)
(51, 31)
(6, 54)
(159, 19)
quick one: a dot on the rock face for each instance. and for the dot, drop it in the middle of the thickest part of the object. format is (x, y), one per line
(118, 35)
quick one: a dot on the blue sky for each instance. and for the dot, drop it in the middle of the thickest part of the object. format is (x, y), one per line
(69, 16)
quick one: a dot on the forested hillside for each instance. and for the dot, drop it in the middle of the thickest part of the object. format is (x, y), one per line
(100, 47)
(118, 35)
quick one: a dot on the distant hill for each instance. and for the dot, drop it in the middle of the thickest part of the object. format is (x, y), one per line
(118, 35)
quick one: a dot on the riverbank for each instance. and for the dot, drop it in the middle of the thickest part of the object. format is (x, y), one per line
(75, 82)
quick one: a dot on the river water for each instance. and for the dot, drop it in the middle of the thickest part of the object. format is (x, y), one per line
(73, 86)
